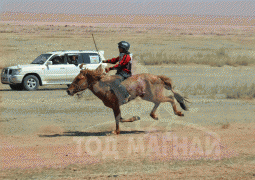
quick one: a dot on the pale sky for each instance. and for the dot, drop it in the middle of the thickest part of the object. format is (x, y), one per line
(199, 7)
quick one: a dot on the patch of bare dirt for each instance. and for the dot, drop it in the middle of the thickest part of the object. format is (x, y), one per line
(65, 155)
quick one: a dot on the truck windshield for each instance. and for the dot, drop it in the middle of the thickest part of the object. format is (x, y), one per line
(41, 59)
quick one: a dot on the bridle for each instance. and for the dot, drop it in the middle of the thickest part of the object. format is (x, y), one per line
(79, 86)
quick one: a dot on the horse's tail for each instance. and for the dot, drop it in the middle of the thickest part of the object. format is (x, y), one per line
(168, 85)
(167, 82)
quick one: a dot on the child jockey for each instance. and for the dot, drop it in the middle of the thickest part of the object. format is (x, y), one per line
(123, 68)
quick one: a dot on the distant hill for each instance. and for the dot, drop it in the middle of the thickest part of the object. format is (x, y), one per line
(131, 19)
(152, 7)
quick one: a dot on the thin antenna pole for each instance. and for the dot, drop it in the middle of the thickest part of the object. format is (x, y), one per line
(94, 42)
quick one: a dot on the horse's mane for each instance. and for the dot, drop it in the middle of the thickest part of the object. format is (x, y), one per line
(92, 74)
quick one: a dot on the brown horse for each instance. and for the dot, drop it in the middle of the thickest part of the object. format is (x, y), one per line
(147, 86)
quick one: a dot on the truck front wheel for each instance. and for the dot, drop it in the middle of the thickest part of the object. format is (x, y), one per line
(31, 83)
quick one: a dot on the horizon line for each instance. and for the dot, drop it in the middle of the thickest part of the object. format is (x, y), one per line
(199, 15)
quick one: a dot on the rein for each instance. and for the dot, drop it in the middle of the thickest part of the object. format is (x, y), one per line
(79, 86)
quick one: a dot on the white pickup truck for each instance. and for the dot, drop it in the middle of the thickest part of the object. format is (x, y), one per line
(57, 67)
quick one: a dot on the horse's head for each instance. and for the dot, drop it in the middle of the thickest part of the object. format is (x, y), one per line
(84, 79)
(79, 83)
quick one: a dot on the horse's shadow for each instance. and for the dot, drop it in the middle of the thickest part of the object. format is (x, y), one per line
(79, 133)
(43, 89)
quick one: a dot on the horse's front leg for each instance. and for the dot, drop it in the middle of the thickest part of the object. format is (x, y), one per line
(117, 115)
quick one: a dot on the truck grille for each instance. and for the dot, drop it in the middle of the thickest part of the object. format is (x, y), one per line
(6, 71)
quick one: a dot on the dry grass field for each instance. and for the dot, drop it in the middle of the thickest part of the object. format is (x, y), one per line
(211, 60)
(183, 40)
(154, 39)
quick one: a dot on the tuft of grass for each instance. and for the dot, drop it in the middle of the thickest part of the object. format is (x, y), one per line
(218, 57)
(230, 92)
(244, 91)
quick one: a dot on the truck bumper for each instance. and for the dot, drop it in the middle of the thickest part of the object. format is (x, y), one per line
(5, 77)
(17, 79)
(9, 79)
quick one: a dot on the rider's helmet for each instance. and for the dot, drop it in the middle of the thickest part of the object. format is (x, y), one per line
(124, 45)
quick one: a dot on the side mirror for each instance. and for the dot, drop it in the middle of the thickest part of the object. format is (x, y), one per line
(49, 63)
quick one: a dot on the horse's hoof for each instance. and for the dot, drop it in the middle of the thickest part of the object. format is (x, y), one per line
(179, 114)
(136, 118)
(116, 132)
(155, 117)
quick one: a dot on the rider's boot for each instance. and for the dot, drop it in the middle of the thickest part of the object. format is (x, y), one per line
(124, 93)
(126, 99)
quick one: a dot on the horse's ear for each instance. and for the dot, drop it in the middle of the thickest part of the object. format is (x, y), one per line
(81, 66)
(99, 68)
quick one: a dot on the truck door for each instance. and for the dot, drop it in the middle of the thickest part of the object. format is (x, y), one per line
(73, 69)
(56, 73)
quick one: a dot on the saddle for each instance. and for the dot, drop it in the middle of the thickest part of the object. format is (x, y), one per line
(137, 87)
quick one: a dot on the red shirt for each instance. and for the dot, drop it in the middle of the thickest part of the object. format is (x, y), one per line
(124, 63)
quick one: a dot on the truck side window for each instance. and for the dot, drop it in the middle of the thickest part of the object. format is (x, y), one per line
(85, 58)
(91, 58)
(57, 60)
(72, 59)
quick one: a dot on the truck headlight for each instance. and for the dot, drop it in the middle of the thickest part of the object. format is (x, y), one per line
(16, 71)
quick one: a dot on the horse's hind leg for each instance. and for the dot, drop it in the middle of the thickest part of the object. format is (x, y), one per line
(132, 119)
(172, 101)
(153, 112)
